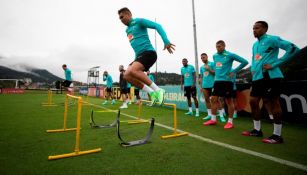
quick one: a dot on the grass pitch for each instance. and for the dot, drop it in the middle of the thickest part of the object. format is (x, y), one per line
(25, 144)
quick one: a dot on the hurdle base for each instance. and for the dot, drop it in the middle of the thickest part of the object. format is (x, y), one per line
(49, 104)
(60, 156)
(62, 130)
(174, 135)
(139, 121)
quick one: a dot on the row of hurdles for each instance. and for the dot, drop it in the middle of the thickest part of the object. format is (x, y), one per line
(115, 123)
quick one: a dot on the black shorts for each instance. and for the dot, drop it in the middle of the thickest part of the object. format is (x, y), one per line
(234, 94)
(189, 91)
(147, 59)
(222, 89)
(109, 89)
(136, 92)
(266, 87)
(128, 90)
(123, 91)
(66, 83)
(209, 91)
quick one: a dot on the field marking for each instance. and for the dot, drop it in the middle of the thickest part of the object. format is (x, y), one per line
(225, 145)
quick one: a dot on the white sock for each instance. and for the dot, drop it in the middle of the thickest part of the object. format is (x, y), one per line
(154, 86)
(271, 116)
(277, 129)
(197, 111)
(221, 113)
(147, 89)
(257, 125)
(230, 120)
(190, 109)
(213, 117)
(209, 111)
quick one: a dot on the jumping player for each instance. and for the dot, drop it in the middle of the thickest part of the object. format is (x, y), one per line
(145, 54)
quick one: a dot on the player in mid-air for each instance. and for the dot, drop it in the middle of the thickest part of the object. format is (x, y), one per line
(145, 54)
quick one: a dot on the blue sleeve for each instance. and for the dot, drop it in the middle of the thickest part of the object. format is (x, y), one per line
(111, 80)
(104, 78)
(158, 27)
(241, 60)
(290, 49)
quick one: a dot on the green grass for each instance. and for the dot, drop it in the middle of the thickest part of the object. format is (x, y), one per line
(25, 144)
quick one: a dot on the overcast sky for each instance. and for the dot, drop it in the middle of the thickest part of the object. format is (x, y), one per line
(85, 33)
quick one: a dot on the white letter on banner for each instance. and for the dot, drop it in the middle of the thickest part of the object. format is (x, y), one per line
(288, 101)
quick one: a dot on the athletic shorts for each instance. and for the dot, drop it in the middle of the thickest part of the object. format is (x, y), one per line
(109, 89)
(137, 92)
(222, 89)
(189, 91)
(67, 83)
(266, 87)
(147, 59)
(234, 94)
(209, 90)
(123, 91)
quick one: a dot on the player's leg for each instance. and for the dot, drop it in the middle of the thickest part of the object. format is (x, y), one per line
(194, 95)
(230, 111)
(187, 93)
(207, 95)
(273, 97)
(136, 71)
(256, 94)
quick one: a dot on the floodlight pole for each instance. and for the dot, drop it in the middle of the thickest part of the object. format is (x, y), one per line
(156, 74)
(195, 43)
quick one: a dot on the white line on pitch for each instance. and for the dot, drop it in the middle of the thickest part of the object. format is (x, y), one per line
(225, 145)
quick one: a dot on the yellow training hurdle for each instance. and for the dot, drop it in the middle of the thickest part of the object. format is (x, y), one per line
(77, 151)
(175, 132)
(49, 100)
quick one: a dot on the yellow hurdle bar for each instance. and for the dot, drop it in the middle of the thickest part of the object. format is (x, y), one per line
(49, 100)
(77, 145)
(139, 120)
(74, 154)
(64, 129)
(175, 132)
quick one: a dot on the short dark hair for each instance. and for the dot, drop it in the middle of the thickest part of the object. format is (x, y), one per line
(203, 54)
(264, 24)
(220, 42)
(184, 59)
(124, 9)
(64, 65)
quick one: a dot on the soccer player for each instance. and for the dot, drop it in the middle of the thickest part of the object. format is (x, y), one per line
(267, 77)
(145, 54)
(123, 88)
(223, 85)
(68, 80)
(207, 81)
(107, 77)
(188, 82)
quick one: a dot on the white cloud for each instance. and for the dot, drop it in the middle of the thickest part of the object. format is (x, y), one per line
(83, 34)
